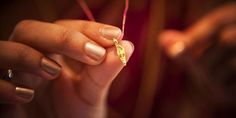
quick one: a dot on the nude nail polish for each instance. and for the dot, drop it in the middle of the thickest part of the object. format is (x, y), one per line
(94, 51)
(110, 32)
(50, 67)
(24, 93)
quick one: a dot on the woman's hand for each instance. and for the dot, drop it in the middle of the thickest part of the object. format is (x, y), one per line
(207, 51)
(217, 26)
(77, 56)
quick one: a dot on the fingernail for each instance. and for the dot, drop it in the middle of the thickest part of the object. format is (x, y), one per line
(176, 49)
(94, 51)
(110, 32)
(50, 67)
(24, 93)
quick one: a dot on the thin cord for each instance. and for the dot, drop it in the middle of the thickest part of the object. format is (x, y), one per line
(90, 16)
(86, 10)
(124, 15)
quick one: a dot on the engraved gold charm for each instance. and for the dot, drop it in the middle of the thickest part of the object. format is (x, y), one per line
(120, 51)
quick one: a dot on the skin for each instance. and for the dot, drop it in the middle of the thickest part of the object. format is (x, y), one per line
(81, 87)
(220, 22)
(206, 50)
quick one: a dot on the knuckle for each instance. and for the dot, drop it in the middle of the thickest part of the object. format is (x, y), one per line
(84, 25)
(23, 54)
(64, 39)
(90, 28)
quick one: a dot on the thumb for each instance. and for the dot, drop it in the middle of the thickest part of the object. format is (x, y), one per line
(97, 79)
(112, 65)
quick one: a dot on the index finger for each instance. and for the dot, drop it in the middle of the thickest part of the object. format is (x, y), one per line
(101, 33)
(52, 38)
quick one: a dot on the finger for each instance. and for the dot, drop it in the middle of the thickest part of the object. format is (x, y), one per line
(228, 36)
(10, 94)
(101, 33)
(200, 34)
(211, 23)
(172, 41)
(112, 65)
(21, 57)
(53, 38)
(94, 87)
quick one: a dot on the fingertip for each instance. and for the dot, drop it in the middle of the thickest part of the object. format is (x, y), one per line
(173, 43)
(129, 48)
(167, 37)
(24, 95)
(95, 52)
(110, 32)
(50, 69)
(111, 64)
(11, 94)
(176, 49)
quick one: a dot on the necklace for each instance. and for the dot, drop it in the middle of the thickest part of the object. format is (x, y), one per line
(119, 48)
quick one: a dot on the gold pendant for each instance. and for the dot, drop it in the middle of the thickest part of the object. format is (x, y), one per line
(120, 51)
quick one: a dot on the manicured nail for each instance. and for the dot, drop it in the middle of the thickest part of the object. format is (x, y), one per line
(110, 32)
(50, 67)
(176, 49)
(24, 93)
(94, 51)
